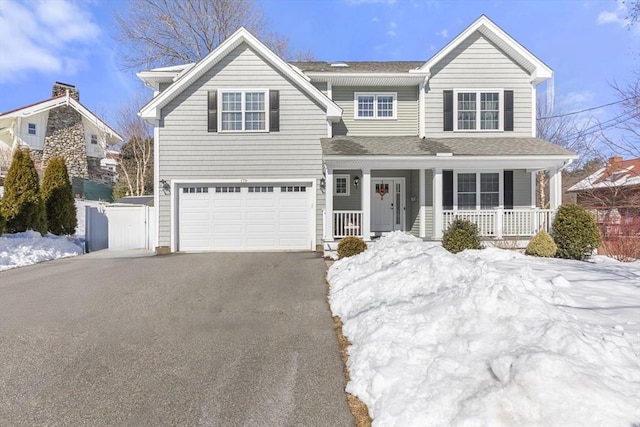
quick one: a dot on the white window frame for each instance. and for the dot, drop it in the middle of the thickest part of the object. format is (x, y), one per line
(243, 111)
(91, 139)
(478, 93)
(347, 177)
(375, 105)
(478, 193)
(35, 129)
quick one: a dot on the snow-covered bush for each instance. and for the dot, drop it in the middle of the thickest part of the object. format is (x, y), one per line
(461, 235)
(542, 245)
(350, 246)
(575, 232)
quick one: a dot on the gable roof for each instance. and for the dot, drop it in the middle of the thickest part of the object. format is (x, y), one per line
(538, 70)
(617, 173)
(190, 75)
(58, 101)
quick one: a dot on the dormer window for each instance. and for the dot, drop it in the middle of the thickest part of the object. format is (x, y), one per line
(375, 106)
(31, 129)
(94, 139)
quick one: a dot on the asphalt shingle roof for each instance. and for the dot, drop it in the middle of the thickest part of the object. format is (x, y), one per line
(415, 146)
(359, 66)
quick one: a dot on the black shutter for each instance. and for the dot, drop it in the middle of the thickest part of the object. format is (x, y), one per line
(508, 189)
(448, 110)
(212, 118)
(508, 110)
(274, 111)
(447, 190)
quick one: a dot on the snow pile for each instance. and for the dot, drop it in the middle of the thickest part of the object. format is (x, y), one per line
(30, 247)
(441, 339)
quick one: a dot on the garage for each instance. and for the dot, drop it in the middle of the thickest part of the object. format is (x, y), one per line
(265, 216)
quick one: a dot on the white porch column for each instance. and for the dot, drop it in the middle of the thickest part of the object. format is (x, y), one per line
(328, 203)
(422, 200)
(437, 203)
(366, 204)
(555, 188)
(534, 179)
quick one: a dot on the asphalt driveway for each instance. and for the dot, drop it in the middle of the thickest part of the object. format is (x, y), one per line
(215, 339)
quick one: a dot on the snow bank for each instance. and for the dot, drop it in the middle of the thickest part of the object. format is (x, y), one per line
(30, 247)
(441, 339)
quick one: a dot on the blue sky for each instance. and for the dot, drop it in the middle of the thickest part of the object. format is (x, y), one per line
(586, 43)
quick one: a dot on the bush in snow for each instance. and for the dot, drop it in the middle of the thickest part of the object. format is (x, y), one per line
(461, 235)
(22, 205)
(350, 246)
(57, 195)
(542, 245)
(575, 232)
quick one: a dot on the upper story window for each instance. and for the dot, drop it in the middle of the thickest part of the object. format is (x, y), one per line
(31, 128)
(375, 105)
(94, 139)
(243, 111)
(478, 110)
(341, 185)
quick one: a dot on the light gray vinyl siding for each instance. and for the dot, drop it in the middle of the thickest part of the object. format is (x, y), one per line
(478, 64)
(321, 86)
(521, 189)
(353, 201)
(406, 122)
(189, 151)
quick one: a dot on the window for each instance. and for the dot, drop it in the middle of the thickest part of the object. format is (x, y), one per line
(244, 111)
(195, 189)
(476, 110)
(94, 139)
(375, 105)
(31, 128)
(227, 189)
(341, 185)
(478, 190)
(261, 189)
(293, 189)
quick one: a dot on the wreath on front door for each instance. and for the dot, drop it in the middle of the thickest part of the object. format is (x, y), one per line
(381, 191)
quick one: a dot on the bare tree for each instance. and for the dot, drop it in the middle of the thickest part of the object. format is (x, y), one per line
(135, 161)
(627, 121)
(155, 33)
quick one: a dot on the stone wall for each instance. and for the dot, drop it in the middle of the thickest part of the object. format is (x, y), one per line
(65, 137)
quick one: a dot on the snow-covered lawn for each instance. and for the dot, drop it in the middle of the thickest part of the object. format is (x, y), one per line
(28, 248)
(489, 338)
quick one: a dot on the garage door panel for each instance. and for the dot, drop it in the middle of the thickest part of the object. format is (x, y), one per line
(256, 220)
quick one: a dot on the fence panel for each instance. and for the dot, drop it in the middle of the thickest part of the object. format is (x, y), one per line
(96, 229)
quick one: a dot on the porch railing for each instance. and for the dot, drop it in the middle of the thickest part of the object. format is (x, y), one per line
(347, 223)
(505, 222)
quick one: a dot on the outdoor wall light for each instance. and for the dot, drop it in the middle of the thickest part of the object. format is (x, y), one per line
(323, 182)
(356, 181)
(166, 187)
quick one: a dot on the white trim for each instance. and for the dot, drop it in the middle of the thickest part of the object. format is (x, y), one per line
(421, 109)
(478, 192)
(479, 93)
(366, 203)
(347, 177)
(422, 202)
(156, 181)
(534, 111)
(539, 70)
(243, 93)
(328, 205)
(152, 109)
(436, 187)
(375, 95)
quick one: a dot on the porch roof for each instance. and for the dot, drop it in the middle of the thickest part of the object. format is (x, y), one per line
(415, 146)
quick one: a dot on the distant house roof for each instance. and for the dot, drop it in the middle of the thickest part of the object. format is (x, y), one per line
(415, 146)
(135, 200)
(617, 173)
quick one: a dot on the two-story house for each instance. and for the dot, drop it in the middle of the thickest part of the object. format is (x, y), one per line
(58, 126)
(256, 153)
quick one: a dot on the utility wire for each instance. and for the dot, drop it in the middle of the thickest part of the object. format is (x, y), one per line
(587, 109)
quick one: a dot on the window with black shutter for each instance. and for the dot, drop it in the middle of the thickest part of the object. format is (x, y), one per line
(448, 111)
(212, 118)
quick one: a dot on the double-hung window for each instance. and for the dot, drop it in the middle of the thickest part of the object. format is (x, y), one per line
(478, 110)
(478, 190)
(243, 111)
(341, 185)
(375, 106)
(31, 128)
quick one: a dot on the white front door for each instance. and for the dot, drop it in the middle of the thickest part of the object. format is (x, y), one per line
(387, 204)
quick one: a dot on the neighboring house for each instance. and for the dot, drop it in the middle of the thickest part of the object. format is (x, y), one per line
(256, 153)
(58, 126)
(613, 192)
(109, 165)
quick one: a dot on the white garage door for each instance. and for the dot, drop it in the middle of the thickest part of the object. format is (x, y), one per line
(253, 217)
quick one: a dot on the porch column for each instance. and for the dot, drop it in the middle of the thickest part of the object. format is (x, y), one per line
(437, 203)
(555, 188)
(328, 203)
(422, 200)
(534, 178)
(366, 204)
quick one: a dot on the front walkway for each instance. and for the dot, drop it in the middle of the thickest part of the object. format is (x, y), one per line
(204, 339)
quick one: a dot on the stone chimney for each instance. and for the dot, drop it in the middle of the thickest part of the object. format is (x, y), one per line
(60, 89)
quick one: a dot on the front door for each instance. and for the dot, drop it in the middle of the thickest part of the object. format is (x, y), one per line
(387, 204)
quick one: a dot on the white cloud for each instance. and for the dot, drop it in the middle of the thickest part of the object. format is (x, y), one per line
(392, 29)
(444, 33)
(618, 16)
(43, 36)
(374, 19)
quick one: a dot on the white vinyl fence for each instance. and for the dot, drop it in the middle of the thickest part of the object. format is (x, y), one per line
(120, 227)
